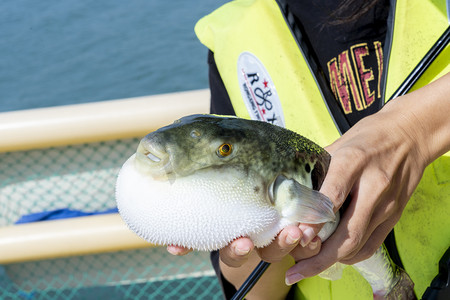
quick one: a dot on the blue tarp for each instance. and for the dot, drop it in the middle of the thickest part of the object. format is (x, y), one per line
(57, 214)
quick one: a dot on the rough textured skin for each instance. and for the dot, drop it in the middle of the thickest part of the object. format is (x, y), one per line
(267, 149)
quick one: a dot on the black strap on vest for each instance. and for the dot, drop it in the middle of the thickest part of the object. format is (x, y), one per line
(297, 32)
(440, 286)
(426, 61)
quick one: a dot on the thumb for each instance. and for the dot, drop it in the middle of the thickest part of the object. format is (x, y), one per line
(336, 186)
(309, 232)
(344, 169)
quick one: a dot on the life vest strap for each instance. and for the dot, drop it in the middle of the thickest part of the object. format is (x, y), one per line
(440, 286)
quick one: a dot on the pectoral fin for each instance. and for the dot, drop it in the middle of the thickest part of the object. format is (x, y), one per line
(300, 203)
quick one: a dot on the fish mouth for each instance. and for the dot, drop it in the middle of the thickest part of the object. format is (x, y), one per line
(153, 159)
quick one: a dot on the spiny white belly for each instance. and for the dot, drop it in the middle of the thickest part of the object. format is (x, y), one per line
(203, 211)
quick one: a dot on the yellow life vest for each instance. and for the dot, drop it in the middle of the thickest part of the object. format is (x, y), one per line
(249, 35)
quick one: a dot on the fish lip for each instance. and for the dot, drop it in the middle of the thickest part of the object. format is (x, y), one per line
(152, 158)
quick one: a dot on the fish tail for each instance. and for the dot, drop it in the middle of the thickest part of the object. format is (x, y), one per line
(387, 280)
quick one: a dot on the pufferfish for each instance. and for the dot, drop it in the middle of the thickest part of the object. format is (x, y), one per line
(206, 180)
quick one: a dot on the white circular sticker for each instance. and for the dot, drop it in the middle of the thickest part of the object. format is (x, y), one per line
(258, 90)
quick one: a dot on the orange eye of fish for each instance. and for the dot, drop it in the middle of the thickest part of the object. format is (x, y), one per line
(225, 150)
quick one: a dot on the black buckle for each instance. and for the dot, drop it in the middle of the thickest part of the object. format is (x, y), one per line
(439, 288)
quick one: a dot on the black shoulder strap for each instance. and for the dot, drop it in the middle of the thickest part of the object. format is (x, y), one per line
(305, 47)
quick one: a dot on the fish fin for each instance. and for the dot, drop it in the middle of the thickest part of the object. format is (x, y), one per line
(334, 272)
(300, 203)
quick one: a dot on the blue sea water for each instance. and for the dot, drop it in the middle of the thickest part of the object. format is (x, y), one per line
(57, 52)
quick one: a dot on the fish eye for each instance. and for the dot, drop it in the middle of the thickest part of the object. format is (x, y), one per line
(225, 150)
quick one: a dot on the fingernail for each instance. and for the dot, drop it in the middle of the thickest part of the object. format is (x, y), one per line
(313, 245)
(293, 278)
(242, 251)
(171, 250)
(308, 235)
(292, 239)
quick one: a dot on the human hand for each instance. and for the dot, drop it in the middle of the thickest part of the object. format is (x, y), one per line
(238, 260)
(240, 257)
(178, 250)
(378, 163)
(285, 243)
(237, 252)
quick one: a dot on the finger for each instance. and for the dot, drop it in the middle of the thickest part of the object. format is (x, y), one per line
(237, 252)
(341, 176)
(177, 250)
(309, 232)
(285, 241)
(376, 239)
(313, 248)
(310, 266)
(344, 241)
(377, 204)
(383, 220)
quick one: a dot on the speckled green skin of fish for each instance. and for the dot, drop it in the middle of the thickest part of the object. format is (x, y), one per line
(258, 147)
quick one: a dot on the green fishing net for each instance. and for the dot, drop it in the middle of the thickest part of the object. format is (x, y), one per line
(82, 177)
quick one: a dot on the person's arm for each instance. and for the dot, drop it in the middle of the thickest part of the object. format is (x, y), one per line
(379, 163)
